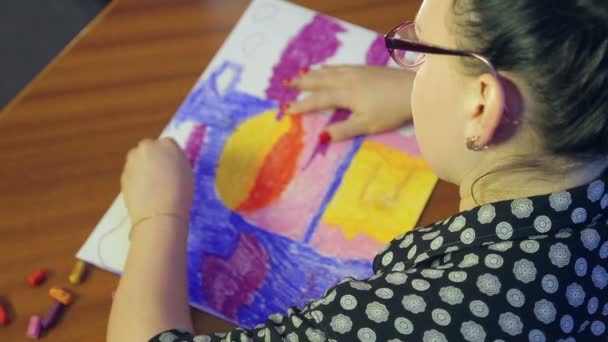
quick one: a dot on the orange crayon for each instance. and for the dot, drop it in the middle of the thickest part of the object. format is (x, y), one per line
(61, 295)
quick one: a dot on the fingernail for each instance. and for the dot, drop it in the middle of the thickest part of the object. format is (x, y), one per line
(285, 106)
(304, 71)
(324, 138)
(287, 81)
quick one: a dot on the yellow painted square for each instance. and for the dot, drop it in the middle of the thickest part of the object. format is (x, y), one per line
(383, 193)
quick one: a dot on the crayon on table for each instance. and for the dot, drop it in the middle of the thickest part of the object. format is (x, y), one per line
(61, 295)
(36, 278)
(78, 272)
(52, 315)
(34, 328)
(4, 316)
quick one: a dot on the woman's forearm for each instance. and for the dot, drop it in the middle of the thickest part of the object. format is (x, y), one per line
(152, 295)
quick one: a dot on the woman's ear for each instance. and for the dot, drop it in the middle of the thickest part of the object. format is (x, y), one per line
(486, 109)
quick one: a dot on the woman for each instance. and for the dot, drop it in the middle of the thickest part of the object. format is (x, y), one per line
(520, 125)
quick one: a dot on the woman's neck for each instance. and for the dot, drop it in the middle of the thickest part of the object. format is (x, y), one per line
(476, 190)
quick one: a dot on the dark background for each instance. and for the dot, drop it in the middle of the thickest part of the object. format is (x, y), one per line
(32, 32)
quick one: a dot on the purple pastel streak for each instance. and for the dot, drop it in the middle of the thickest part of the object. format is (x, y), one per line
(194, 144)
(321, 149)
(316, 42)
(377, 53)
(238, 278)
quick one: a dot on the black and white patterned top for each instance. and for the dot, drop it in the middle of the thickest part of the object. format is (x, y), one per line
(530, 269)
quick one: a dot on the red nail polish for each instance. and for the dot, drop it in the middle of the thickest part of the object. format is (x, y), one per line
(304, 71)
(285, 106)
(324, 138)
(287, 81)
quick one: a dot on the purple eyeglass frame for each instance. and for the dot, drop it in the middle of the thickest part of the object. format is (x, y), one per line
(393, 44)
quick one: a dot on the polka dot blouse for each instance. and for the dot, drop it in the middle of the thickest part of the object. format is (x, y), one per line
(530, 269)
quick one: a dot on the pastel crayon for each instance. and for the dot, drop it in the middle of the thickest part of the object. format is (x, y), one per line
(78, 272)
(36, 278)
(4, 316)
(34, 328)
(61, 295)
(52, 315)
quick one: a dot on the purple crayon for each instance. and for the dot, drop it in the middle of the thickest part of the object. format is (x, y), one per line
(52, 315)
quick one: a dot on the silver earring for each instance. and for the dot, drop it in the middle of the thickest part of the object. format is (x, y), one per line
(472, 144)
(514, 122)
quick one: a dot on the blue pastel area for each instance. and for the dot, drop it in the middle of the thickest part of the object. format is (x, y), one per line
(225, 109)
(298, 273)
(333, 188)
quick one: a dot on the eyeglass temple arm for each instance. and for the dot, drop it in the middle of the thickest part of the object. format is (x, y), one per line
(397, 44)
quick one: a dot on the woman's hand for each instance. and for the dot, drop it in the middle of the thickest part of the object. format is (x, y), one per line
(378, 97)
(157, 179)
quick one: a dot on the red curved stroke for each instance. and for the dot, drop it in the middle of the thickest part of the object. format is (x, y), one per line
(278, 170)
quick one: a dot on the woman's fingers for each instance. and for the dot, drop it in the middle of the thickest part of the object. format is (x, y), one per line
(318, 101)
(328, 89)
(347, 129)
(326, 78)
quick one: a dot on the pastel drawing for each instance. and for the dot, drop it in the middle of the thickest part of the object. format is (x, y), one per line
(277, 217)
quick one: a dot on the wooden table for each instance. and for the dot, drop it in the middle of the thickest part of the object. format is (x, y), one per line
(64, 138)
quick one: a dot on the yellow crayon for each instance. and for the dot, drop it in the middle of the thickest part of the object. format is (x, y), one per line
(78, 272)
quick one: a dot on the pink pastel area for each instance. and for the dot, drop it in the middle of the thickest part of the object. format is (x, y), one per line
(292, 213)
(398, 141)
(330, 241)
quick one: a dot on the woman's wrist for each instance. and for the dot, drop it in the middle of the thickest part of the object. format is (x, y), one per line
(156, 223)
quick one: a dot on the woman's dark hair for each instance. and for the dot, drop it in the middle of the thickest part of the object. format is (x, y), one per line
(560, 49)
